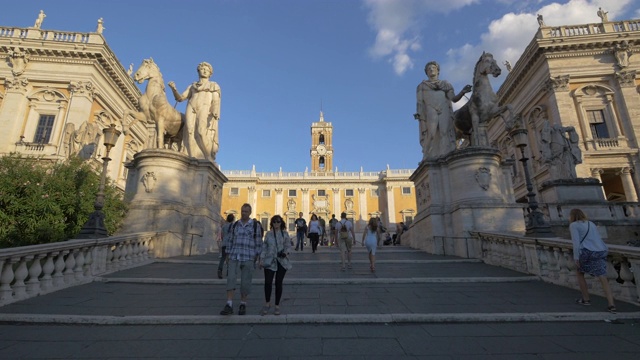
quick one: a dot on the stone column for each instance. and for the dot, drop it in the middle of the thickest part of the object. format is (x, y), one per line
(252, 199)
(627, 184)
(13, 112)
(362, 205)
(595, 173)
(279, 201)
(391, 206)
(305, 201)
(82, 95)
(336, 202)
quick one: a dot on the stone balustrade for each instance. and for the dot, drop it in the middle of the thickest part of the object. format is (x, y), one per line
(30, 271)
(589, 29)
(552, 260)
(51, 35)
(313, 175)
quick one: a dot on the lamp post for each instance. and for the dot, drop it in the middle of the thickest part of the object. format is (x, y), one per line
(94, 227)
(536, 223)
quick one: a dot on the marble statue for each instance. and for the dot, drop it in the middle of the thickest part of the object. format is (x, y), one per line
(82, 142)
(435, 113)
(155, 108)
(559, 149)
(40, 19)
(482, 106)
(623, 52)
(603, 15)
(130, 70)
(18, 60)
(202, 114)
(507, 65)
(540, 20)
(100, 27)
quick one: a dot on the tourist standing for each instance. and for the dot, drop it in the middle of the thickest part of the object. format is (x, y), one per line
(346, 234)
(314, 232)
(370, 239)
(590, 255)
(332, 230)
(226, 237)
(274, 258)
(301, 231)
(323, 230)
(244, 248)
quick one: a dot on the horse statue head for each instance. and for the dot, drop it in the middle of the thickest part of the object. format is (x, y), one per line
(486, 65)
(147, 70)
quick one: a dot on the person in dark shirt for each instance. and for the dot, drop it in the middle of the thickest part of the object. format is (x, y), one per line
(301, 231)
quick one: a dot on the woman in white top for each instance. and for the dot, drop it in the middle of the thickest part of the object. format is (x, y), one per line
(275, 261)
(370, 239)
(314, 232)
(590, 255)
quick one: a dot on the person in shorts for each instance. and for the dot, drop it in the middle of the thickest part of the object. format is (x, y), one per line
(345, 235)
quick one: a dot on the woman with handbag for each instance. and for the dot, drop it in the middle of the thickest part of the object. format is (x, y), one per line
(275, 261)
(590, 255)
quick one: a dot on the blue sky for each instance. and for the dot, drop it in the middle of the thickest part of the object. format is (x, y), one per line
(277, 61)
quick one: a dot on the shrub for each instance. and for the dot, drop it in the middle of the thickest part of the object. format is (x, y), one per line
(42, 202)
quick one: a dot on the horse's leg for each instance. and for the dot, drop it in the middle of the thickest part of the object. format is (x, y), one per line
(160, 132)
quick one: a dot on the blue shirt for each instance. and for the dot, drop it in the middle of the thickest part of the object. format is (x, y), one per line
(243, 246)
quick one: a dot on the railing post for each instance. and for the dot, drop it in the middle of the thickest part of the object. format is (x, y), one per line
(46, 282)
(6, 292)
(33, 284)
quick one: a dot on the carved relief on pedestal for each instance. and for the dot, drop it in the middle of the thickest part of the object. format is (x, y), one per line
(18, 61)
(214, 193)
(626, 78)
(558, 83)
(483, 178)
(149, 181)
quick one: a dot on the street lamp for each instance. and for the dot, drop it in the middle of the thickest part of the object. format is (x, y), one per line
(94, 227)
(536, 223)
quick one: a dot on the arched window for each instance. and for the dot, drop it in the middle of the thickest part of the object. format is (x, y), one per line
(321, 163)
(321, 139)
(598, 117)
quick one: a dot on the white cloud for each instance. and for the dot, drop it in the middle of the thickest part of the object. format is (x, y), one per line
(507, 37)
(395, 23)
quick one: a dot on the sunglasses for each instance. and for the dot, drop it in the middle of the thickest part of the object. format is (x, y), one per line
(277, 221)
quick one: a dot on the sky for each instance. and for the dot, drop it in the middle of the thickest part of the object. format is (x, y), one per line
(280, 62)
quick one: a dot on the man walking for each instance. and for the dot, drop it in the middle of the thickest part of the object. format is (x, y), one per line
(346, 234)
(332, 230)
(243, 251)
(301, 231)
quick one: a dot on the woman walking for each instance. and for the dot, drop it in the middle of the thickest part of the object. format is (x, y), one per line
(590, 255)
(275, 261)
(314, 232)
(370, 239)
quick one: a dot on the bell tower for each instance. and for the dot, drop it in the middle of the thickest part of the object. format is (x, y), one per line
(321, 146)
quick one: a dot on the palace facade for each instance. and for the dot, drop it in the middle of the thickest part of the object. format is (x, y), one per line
(585, 77)
(388, 194)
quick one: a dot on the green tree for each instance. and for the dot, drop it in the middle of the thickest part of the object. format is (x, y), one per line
(42, 202)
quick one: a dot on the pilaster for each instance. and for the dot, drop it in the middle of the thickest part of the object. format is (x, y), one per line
(13, 112)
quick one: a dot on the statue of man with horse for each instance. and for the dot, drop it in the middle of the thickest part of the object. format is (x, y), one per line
(202, 114)
(441, 129)
(155, 108)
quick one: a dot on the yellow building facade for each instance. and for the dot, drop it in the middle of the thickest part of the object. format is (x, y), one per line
(388, 194)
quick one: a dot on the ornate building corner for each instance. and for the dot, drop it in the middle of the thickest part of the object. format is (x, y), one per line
(85, 88)
(16, 84)
(626, 78)
(558, 83)
(18, 61)
(149, 181)
(483, 178)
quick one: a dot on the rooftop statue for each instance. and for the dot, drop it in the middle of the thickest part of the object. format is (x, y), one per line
(202, 114)
(155, 108)
(100, 27)
(435, 113)
(560, 150)
(540, 20)
(603, 15)
(40, 19)
(483, 104)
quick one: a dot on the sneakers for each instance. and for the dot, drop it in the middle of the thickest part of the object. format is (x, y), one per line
(583, 302)
(219, 273)
(228, 310)
(612, 309)
(242, 310)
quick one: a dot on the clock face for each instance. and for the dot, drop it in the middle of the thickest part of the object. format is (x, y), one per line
(321, 149)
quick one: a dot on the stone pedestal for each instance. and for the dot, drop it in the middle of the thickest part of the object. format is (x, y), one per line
(469, 189)
(169, 191)
(581, 190)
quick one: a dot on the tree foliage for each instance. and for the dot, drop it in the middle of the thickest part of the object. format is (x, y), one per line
(42, 202)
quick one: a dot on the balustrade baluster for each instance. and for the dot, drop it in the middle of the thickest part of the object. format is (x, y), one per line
(58, 276)
(21, 273)
(88, 261)
(69, 264)
(116, 257)
(33, 284)
(135, 256)
(46, 281)
(127, 255)
(78, 270)
(6, 292)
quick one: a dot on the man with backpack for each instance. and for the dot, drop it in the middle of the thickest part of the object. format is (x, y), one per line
(301, 231)
(243, 251)
(346, 234)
